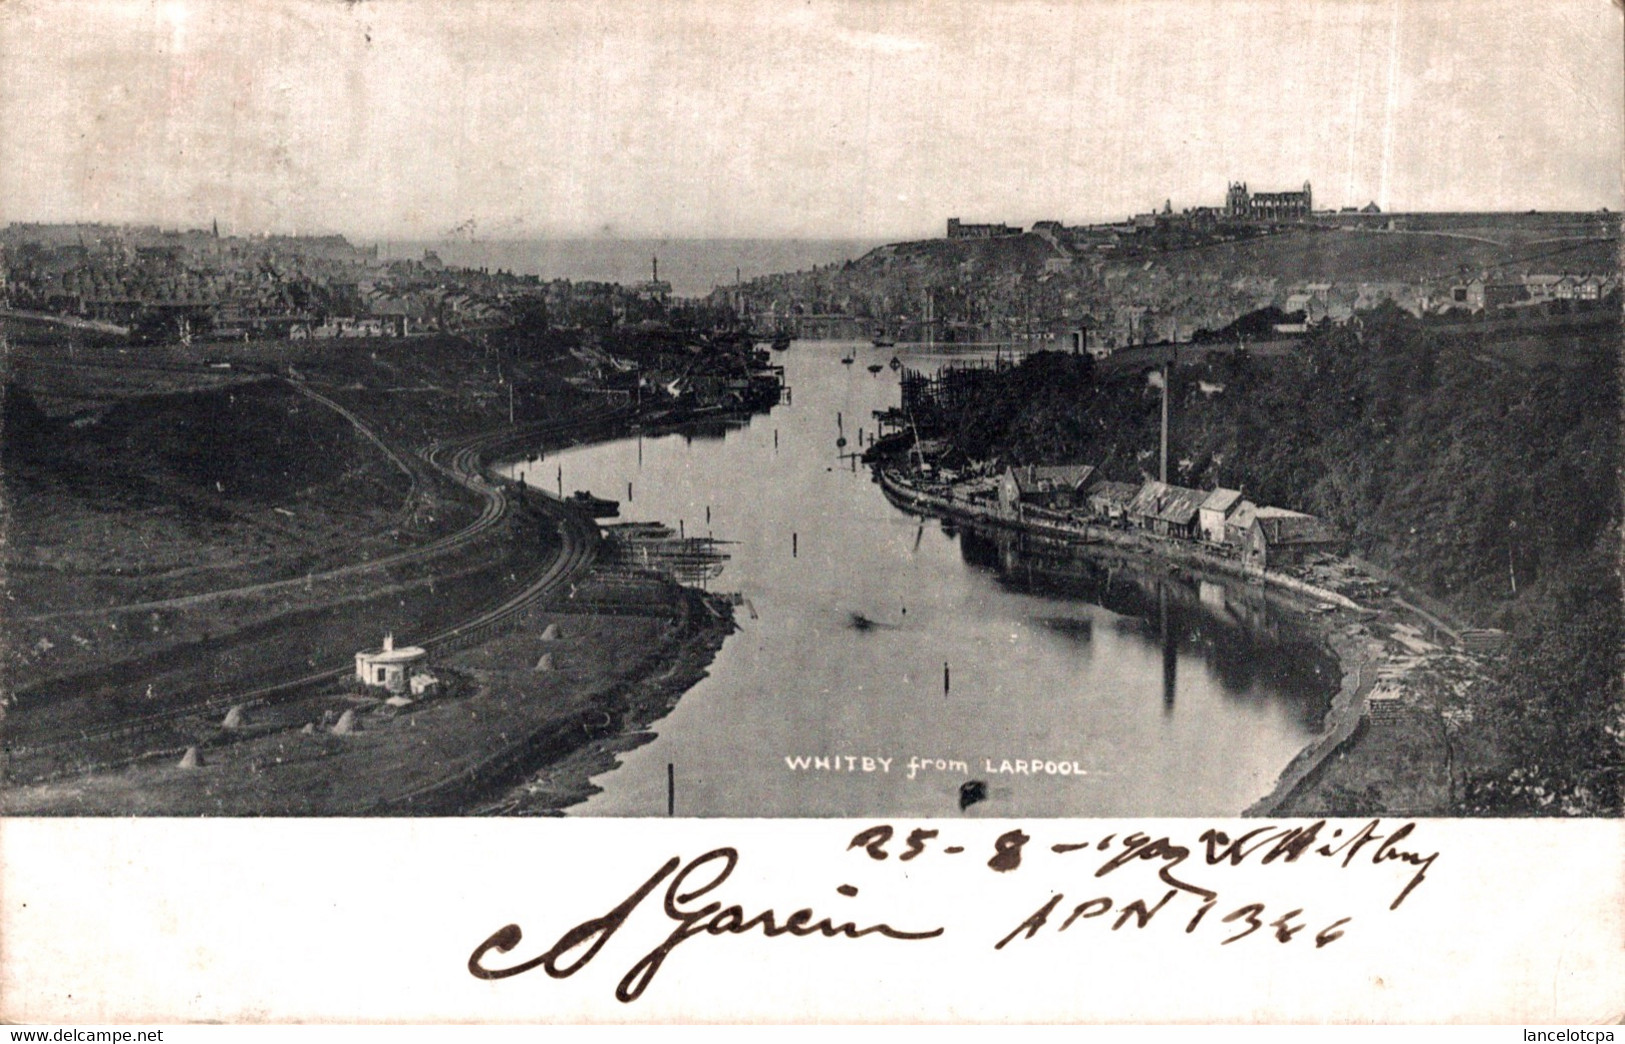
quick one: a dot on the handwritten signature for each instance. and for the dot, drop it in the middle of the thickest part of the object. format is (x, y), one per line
(712, 918)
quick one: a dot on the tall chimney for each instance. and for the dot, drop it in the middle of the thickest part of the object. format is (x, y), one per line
(1164, 472)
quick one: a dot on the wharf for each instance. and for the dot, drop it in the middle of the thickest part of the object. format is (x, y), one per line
(1054, 525)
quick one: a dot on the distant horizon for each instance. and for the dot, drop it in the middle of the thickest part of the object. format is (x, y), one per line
(825, 119)
(371, 238)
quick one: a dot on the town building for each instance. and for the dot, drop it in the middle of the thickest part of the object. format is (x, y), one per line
(1166, 510)
(1278, 537)
(1215, 510)
(1110, 500)
(1055, 487)
(1239, 523)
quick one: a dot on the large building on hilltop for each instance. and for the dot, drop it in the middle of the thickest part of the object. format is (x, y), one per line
(1242, 205)
(956, 230)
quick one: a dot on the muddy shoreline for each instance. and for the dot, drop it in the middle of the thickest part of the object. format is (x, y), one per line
(563, 776)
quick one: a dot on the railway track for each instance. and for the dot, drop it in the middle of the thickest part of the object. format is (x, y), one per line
(578, 548)
(463, 468)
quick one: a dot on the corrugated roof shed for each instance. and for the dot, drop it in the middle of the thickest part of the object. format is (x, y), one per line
(1120, 493)
(1167, 503)
(1043, 478)
(1221, 500)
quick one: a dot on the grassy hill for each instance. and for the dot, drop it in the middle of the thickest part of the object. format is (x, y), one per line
(1372, 256)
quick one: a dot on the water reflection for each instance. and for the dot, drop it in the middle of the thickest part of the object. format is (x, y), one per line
(1252, 646)
(1178, 696)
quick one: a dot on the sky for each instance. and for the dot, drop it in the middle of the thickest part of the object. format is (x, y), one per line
(750, 118)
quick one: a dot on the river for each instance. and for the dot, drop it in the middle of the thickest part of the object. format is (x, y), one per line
(1068, 687)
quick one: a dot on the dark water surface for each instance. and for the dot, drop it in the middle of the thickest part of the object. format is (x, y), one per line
(1162, 694)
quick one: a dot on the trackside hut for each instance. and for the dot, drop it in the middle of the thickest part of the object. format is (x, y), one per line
(1056, 487)
(1166, 510)
(389, 667)
(1279, 537)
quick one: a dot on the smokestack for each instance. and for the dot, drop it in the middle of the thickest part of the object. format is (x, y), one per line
(1164, 470)
(655, 264)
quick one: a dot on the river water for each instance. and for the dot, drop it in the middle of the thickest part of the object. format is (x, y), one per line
(1135, 691)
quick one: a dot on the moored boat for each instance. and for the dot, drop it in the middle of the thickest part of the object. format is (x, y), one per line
(598, 507)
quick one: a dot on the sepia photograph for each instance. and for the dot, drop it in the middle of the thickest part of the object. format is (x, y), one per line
(888, 412)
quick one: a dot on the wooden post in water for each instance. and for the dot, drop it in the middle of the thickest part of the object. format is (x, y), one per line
(671, 789)
(945, 677)
(561, 481)
(629, 492)
(792, 545)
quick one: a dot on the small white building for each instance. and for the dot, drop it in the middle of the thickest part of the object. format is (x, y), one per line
(389, 668)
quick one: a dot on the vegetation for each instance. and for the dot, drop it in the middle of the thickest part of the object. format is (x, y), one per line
(1489, 482)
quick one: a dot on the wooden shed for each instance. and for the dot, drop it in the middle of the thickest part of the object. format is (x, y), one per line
(1166, 510)
(1279, 537)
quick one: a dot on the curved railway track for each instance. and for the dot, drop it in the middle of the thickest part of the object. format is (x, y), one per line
(462, 469)
(578, 547)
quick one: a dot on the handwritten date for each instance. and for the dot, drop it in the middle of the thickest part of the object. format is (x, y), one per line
(1269, 843)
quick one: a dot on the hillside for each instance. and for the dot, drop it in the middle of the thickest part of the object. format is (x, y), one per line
(1133, 286)
(1492, 483)
(1361, 256)
(174, 471)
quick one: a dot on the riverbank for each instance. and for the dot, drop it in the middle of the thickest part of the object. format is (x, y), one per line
(1396, 757)
(200, 641)
(1054, 525)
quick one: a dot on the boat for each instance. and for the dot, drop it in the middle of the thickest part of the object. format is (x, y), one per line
(896, 363)
(884, 342)
(847, 360)
(875, 367)
(597, 507)
(781, 342)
